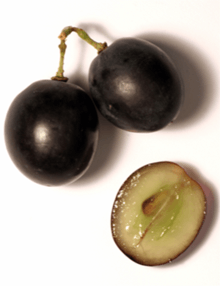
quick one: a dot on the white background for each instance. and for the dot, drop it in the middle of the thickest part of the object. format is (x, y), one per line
(61, 236)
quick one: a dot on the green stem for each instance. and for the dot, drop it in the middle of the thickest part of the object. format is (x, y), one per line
(59, 75)
(83, 35)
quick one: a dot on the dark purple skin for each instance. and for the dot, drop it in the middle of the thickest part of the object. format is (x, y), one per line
(135, 85)
(51, 132)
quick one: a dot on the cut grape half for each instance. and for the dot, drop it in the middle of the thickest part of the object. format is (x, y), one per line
(157, 213)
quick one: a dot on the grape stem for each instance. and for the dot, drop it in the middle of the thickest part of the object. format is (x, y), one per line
(83, 35)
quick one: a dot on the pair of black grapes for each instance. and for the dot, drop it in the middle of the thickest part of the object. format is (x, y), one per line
(51, 128)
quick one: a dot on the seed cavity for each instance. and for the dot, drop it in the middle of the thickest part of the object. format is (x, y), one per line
(151, 205)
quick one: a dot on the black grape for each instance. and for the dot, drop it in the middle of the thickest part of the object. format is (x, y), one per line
(135, 85)
(51, 132)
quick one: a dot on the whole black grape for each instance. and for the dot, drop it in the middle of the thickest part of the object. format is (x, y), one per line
(135, 85)
(51, 132)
